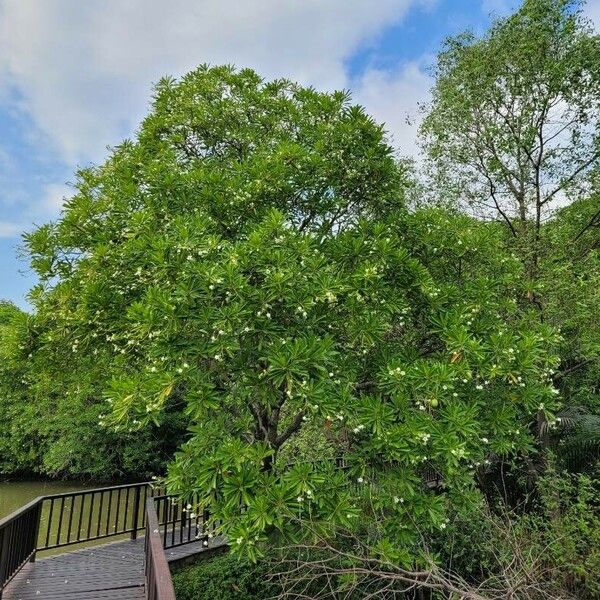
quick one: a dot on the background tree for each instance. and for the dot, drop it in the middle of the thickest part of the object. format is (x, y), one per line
(51, 398)
(514, 120)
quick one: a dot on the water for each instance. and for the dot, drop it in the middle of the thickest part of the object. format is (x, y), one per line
(14, 494)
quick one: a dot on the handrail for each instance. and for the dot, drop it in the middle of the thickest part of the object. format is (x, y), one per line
(18, 540)
(100, 489)
(13, 515)
(86, 515)
(68, 518)
(159, 585)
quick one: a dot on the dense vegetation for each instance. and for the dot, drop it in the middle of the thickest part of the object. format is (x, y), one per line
(256, 285)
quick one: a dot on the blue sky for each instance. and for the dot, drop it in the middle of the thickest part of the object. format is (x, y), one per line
(75, 77)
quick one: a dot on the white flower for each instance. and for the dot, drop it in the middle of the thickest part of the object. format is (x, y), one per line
(485, 440)
(300, 499)
(479, 387)
(360, 480)
(443, 526)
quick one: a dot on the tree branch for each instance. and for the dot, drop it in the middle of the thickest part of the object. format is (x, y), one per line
(293, 428)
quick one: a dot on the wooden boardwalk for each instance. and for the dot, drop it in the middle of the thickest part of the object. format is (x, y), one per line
(104, 572)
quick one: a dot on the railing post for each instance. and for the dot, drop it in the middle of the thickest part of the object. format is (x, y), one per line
(36, 533)
(136, 511)
(2, 561)
(36, 529)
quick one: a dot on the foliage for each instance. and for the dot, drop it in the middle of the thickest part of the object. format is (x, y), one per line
(50, 404)
(556, 546)
(569, 291)
(490, 553)
(248, 260)
(224, 577)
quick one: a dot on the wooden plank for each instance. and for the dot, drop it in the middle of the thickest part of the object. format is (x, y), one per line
(113, 571)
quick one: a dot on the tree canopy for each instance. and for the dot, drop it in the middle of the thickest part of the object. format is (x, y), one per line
(249, 257)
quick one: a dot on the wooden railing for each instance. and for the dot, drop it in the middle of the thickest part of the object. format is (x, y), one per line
(18, 540)
(159, 585)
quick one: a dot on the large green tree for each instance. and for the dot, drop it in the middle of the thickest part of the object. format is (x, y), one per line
(512, 133)
(248, 255)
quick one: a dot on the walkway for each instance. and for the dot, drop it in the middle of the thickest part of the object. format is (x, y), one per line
(106, 572)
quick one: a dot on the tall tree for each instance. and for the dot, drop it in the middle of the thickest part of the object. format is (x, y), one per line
(514, 120)
(248, 254)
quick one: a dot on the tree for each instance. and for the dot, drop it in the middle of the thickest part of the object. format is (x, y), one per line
(50, 402)
(514, 120)
(249, 257)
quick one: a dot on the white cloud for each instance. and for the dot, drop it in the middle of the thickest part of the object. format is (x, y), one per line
(9, 230)
(592, 10)
(84, 69)
(394, 99)
(54, 197)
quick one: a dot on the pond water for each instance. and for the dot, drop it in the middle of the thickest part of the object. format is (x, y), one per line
(14, 494)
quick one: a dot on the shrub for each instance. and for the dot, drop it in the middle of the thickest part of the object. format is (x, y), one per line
(224, 577)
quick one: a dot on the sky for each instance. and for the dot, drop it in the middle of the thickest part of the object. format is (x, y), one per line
(76, 77)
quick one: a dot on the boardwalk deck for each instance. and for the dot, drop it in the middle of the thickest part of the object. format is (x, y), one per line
(113, 571)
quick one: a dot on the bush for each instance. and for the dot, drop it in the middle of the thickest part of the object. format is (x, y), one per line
(224, 577)
(550, 550)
